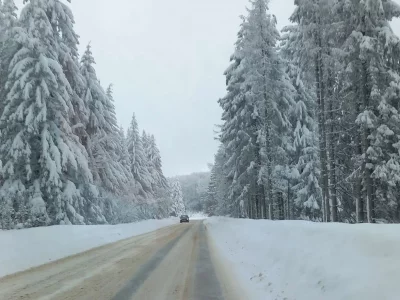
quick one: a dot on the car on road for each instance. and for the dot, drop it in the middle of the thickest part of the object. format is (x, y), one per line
(185, 218)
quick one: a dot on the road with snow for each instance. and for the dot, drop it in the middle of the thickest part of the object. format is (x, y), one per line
(175, 262)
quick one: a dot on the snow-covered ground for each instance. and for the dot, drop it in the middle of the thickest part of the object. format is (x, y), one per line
(287, 260)
(23, 249)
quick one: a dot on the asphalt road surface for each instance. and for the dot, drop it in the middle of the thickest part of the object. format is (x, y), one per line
(176, 262)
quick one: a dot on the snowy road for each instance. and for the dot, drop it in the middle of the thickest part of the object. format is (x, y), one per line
(176, 262)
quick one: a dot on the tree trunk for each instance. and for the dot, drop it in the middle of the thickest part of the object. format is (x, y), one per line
(259, 184)
(262, 201)
(359, 201)
(268, 151)
(281, 206)
(288, 204)
(365, 143)
(322, 132)
(267, 126)
(358, 184)
(397, 210)
(365, 94)
(332, 150)
(358, 188)
(265, 208)
(270, 212)
(257, 204)
(319, 79)
(249, 207)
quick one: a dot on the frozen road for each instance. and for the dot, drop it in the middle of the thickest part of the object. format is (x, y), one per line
(176, 262)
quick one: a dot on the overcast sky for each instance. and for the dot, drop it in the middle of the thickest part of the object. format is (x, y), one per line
(166, 60)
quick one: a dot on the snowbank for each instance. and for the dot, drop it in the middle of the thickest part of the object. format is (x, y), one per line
(290, 260)
(23, 249)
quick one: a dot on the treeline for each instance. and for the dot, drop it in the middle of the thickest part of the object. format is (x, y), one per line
(64, 160)
(311, 123)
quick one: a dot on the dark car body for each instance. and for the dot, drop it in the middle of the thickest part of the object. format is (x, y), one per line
(185, 218)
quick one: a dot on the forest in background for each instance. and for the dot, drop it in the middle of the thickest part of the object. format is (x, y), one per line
(311, 125)
(194, 190)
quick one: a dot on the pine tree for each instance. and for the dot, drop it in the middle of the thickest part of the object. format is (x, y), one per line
(68, 56)
(154, 159)
(237, 133)
(100, 119)
(6, 215)
(145, 142)
(8, 45)
(178, 207)
(210, 206)
(269, 88)
(223, 182)
(308, 192)
(303, 170)
(310, 16)
(122, 150)
(103, 140)
(111, 107)
(138, 161)
(9, 18)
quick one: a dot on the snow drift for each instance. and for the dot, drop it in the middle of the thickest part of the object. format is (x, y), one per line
(23, 249)
(310, 261)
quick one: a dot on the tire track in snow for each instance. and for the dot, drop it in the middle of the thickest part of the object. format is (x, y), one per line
(145, 270)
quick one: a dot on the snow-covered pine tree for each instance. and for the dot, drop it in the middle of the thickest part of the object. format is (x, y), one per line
(238, 134)
(308, 193)
(270, 91)
(138, 161)
(145, 141)
(160, 186)
(7, 215)
(103, 132)
(111, 107)
(178, 207)
(122, 150)
(100, 120)
(8, 48)
(153, 156)
(223, 182)
(68, 40)
(303, 170)
(145, 138)
(211, 203)
(42, 157)
(9, 19)
(154, 159)
(8, 45)
(311, 15)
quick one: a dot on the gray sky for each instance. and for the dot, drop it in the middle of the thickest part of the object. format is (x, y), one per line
(166, 60)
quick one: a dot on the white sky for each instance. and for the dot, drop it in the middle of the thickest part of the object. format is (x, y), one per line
(166, 60)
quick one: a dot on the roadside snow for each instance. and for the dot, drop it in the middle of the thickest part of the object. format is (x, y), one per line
(197, 216)
(23, 249)
(287, 260)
